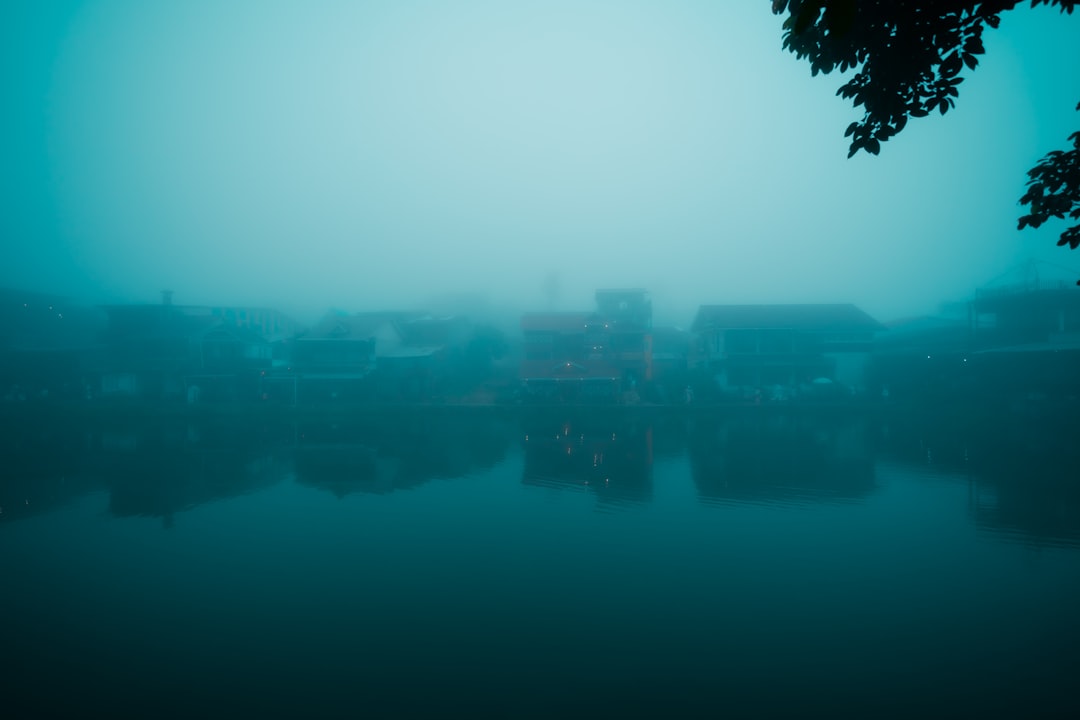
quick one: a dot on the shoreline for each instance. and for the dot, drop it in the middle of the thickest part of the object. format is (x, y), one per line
(255, 411)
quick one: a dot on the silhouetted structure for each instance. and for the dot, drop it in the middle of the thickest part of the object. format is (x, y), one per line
(601, 356)
(787, 346)
(197, 353)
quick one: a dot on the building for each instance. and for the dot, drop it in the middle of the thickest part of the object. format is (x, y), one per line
(784, 346)
(378, 355)
(599, 356)
(1025, 334)
(49, 346)
(195, 352)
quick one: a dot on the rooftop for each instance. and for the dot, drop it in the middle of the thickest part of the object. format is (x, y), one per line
(794, 317)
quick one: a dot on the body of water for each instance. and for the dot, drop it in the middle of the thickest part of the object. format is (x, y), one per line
(753, 563)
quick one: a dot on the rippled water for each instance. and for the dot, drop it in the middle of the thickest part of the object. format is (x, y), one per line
(748, 564)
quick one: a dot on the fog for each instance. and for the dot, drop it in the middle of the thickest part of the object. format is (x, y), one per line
(388, 154)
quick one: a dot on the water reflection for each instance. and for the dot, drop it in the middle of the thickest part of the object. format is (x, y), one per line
(161, 469)
(608, 458)
(43, 467)
(379, 455)
(1019, 470)
(778, 458)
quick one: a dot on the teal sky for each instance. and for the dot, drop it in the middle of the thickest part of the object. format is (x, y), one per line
(371, 155)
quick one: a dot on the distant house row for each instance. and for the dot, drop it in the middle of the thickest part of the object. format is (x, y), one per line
(615, 352)
(1016, 338)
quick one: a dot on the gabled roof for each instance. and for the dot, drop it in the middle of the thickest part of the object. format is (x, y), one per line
(357, 326)
(822, 317)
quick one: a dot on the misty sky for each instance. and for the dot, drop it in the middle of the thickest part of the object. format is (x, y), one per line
(371, 155)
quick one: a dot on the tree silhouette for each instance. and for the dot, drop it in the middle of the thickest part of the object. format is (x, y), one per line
(908, 57)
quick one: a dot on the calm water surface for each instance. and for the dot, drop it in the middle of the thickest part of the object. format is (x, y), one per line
(753, 564)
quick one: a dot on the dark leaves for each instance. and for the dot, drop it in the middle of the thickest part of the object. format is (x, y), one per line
(807, 15)
(1071, 237)
(951, 65)
(1053, 191)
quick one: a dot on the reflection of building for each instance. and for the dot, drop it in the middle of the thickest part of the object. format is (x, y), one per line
(1017, 467)
(785, 345)
(159, 471)
(613, 460)
(781, 459)
(590, 355)
(382, 454)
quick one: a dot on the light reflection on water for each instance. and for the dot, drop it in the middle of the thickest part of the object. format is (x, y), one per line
(679, 560)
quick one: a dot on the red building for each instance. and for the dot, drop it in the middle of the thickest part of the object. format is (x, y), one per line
(600, 356)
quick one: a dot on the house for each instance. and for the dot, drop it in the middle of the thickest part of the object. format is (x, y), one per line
(602, 355)
(161, 351)
(786, 346)
(923, 355)
(558, 364)
(1026, 335)
(49, 346)
(1036, 311)
(332, 361)
(383, 355)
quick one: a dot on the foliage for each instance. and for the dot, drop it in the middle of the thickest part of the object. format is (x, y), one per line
(1053, 190)
(908, 57)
